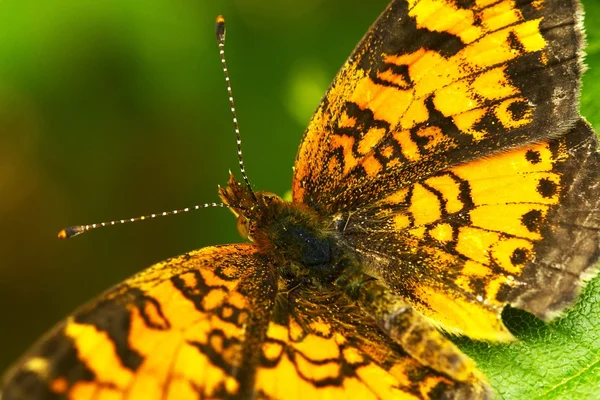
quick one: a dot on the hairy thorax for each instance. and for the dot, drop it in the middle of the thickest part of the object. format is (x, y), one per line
(308, 247)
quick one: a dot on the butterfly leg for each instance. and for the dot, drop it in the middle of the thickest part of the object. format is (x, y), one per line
(415, 333)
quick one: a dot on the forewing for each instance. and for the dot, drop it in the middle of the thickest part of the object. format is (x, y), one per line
(185, 328)
(519, 228)
(435, 83)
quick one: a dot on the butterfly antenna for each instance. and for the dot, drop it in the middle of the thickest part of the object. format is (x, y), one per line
(75, 230)
(220, 28)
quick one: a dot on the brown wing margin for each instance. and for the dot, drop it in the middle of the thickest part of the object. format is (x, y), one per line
(569, 252)
(419, 95)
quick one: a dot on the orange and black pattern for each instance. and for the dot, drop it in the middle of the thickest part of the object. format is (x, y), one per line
(212, 324)
(511, 228)
(435, 83)
(445, 175)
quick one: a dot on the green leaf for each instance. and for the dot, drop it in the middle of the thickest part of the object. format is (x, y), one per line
(590, 106)
(550, 361)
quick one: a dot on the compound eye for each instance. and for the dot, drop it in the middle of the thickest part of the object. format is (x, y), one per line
(269, 197)
(243, 226)
(269, 194)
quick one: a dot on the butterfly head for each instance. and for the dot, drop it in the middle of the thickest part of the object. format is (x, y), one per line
(252, 209)
(277, 226)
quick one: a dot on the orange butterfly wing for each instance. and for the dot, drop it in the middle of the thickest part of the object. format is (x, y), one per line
(208, 324)
(423, 154)
(433, 84)
(519, 228)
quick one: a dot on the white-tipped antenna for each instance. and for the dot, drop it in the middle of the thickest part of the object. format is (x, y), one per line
(220, 28)
(75, 230)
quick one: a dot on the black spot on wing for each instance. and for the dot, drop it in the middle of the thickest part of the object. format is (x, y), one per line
(547, 188)
(519, 256)
(532, 220)
(533, 156)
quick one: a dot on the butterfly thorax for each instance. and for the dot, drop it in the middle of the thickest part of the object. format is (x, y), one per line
(301, 240)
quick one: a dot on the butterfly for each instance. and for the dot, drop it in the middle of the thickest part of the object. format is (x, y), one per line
(446, 174)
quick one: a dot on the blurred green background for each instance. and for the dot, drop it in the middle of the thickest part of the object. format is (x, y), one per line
(118, 108)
